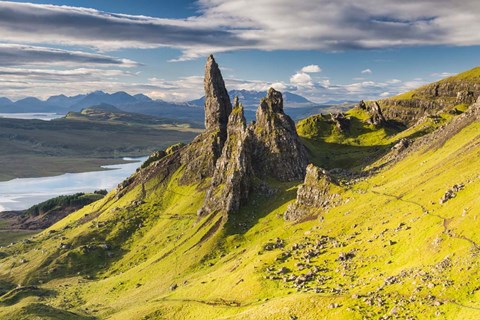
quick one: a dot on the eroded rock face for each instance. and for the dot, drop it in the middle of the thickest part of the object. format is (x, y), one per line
(269, 147)
(217, 100)
(277, 150)
(314, 194)
(200, 157)
(202, 154)
(376, 115)
(466, 97)
(430, 99)
(232, 179)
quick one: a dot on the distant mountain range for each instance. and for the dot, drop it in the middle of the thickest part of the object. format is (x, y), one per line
(64, 104)
(191, 111)
(250, 99)
(139, 103)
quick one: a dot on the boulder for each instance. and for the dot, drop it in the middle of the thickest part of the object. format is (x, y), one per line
(313, 195)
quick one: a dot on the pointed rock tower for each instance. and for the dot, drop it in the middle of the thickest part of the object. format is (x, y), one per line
(204, 151)
(278, 151)
(217, 100)
(268, 148)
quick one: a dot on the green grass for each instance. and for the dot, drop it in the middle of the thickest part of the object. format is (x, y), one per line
(355, 148)
(10, 236)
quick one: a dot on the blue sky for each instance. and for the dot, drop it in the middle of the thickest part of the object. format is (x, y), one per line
(324, 50)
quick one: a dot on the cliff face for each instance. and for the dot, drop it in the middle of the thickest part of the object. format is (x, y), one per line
(431, 98)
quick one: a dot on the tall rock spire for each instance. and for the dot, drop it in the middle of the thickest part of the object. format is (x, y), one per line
(203, 153)
(217, 101)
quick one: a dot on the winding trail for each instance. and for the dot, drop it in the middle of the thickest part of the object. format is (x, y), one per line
(445, 221)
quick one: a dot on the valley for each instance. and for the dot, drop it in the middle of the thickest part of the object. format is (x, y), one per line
(80, 143)
(367, 214)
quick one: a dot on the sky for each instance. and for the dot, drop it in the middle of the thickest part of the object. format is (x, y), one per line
(323, 50)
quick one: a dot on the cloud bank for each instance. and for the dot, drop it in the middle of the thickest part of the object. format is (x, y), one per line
(17, 55)
(226, 25)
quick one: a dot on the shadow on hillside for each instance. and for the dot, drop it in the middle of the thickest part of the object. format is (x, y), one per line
(335, 155)
(259, 206)
(330, 155)
(91, 253)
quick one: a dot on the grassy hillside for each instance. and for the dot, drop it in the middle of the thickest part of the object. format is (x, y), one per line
(398, 240)
(388, 249)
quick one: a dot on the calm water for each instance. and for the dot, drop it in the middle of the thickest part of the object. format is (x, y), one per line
(20, 194)
(29, 116)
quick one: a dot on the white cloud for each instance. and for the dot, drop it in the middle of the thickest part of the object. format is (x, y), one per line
(21, 55)
(366, 71)
(442, 75)
(394, 81)
(313, 68)
(229, 25)
(301, 79)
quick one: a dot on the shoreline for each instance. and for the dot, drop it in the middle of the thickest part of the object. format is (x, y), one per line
(62, 165)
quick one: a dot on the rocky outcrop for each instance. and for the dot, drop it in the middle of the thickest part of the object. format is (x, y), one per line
(235, 156)
(232, 179)
(408, 111)
(361, 105)
(376, 115)
(401, 145)
(202, 154)
(430, 99)
(313, 195)
(465, 97)
(435, 139)
(342, 123)
(277, 150)
(451, 193)
(200, 157)
(269, 147)
(448, 88)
